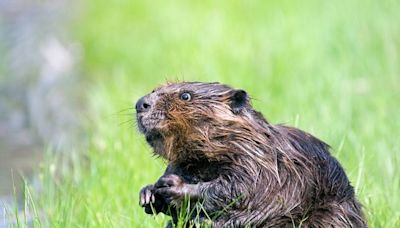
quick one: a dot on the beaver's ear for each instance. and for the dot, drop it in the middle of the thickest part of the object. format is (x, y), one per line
(239, 100)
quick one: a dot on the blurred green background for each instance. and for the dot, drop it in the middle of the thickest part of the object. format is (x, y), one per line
(331, 68)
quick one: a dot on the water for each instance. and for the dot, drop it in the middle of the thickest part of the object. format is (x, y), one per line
(39, 89)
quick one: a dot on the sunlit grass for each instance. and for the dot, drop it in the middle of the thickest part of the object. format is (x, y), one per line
(330, 68)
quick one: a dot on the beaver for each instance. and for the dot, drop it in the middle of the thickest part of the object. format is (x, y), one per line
(241, 169)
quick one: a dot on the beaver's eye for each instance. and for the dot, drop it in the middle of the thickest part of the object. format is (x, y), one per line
(186, 96)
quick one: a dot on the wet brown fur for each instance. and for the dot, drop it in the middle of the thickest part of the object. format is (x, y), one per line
(276, 176)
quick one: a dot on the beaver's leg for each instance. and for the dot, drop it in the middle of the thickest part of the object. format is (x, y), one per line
(214, 196)
(219, 199)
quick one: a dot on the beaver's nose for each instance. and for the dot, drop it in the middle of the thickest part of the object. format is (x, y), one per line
(142, 105)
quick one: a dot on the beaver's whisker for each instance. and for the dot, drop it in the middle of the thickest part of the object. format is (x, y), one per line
(125, 122)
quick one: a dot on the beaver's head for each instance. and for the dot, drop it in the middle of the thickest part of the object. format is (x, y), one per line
(193, 120)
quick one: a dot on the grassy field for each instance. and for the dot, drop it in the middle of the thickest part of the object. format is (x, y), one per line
(328, 67)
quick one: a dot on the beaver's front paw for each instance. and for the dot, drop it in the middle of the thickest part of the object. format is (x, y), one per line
(172, 188)
(151, 201)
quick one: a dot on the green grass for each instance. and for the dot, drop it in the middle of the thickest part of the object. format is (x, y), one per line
(328, 67)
